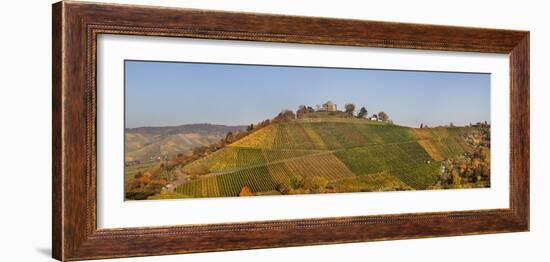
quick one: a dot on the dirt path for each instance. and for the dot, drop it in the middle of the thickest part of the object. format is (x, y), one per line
(182, 178)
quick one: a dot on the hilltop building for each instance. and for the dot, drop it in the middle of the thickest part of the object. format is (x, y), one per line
(329, 106)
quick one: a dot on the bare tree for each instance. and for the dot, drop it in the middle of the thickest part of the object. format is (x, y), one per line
(383, 116)
(350, 109)
(285, 116)
(302, 110)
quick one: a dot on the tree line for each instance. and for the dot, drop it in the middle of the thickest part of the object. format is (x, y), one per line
(349, 110)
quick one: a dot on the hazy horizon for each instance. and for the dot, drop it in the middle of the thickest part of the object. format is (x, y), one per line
(175, 93)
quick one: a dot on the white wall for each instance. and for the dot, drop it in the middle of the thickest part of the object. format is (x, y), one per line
(25, 151)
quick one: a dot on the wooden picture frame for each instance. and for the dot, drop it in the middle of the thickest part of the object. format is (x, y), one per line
(76, 26)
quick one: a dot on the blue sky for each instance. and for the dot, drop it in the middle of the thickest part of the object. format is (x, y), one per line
(169, 93)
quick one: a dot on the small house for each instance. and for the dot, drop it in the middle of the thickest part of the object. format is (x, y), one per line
(329, 106)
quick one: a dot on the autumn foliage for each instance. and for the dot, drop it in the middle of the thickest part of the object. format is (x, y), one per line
(245, 191)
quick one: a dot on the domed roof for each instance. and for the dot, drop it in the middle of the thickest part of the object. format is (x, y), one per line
(329, 103)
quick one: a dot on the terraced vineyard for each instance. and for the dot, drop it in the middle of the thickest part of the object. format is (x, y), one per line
(258, 179)
(349, 154)
(382, 181)
(327, 166)
(441, 143)
(407, 161)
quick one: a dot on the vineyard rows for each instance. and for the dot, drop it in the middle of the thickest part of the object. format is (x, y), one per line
(204, 187)
(227, 159)
(267, 177)
(407, 161)
(257, 179)
(312, 135)
(325, 165)
(233, 158)
(440, 143)
(263, 138)
(361, 153)
(382, 181)
(278, 155)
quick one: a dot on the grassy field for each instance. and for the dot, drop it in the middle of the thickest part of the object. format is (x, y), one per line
(132, 170)
(350, 154)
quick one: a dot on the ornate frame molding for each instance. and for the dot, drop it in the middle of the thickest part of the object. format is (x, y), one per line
(76, 26)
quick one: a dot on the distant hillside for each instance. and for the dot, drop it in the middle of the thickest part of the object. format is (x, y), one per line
(145, 143)
(350, 154)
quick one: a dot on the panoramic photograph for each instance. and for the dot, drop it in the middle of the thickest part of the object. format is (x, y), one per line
(202, 130)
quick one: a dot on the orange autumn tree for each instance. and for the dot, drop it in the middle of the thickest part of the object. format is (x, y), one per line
(245, 191)
(145, 179)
